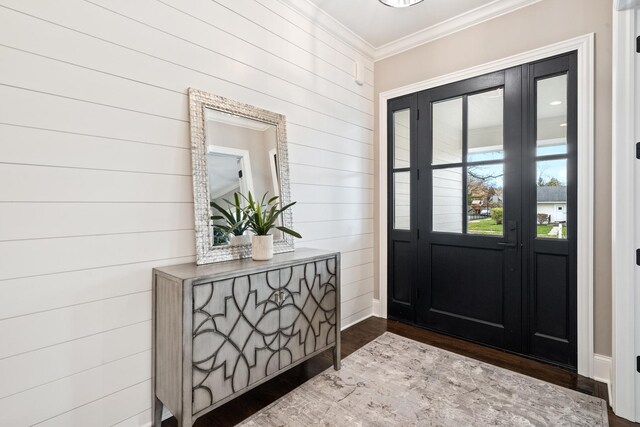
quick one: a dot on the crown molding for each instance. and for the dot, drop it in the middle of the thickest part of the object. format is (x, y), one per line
(457, 23)
(313, 13)
(476, 16)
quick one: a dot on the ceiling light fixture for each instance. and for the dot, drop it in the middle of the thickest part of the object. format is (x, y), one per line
(555, 103)
(399, 3)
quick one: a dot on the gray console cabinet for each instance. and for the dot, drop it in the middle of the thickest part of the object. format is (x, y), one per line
(221, 329)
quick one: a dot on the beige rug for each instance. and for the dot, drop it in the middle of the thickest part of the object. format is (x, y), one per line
(395, 381)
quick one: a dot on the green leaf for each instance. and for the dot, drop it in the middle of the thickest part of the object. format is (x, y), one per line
(290, 232)
(226, 214)
(287, 207)
(234, 227)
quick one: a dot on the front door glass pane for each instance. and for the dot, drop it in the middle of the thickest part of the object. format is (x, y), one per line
(401, 138)
(447, 200)
(485, 199)
(551, 206)
(447, 131)
(401, 201)
(485, 125)
(551, 115)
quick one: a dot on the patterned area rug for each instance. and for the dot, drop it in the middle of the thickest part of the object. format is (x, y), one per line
(395, 381)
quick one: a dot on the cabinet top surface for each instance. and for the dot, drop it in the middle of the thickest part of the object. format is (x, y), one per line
(193, 271)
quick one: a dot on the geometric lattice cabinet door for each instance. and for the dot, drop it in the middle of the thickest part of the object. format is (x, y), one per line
(235, 335)
(308, 310)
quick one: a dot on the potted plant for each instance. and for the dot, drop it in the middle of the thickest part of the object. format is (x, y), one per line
(235, 221)
(261, 220)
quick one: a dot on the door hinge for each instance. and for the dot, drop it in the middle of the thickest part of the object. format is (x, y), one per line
(418, 118)
(638, 363)
(418, 234)
(418, 293)
(638, 150)
(638, 44)
(418, 174)
(637, 256)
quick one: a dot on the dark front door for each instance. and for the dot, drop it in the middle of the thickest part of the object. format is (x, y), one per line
(482, 208)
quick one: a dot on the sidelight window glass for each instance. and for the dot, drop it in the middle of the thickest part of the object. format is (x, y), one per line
(551, 115)
(401, 201)
(447, 131)
(401, 139)
(485, 125)
(551, 199)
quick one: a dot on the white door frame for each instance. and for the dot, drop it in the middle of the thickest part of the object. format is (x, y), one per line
(625, 205)
(584, 45)
(245, 157)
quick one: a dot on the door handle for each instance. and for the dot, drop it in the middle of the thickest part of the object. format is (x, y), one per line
(512, 234)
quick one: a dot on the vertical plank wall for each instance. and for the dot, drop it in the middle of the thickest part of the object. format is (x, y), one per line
(95, 177)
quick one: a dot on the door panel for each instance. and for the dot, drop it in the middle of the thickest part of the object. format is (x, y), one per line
(449, 281)
(550, 306)
(471, 258)
(308, 309)
(235, 335)
(488, 249)
(402, 253)
(402, 179)
(551, 183)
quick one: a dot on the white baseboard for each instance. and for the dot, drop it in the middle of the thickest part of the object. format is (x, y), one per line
(365, 315)
(166, 414)
(602, 370)
(377, 309)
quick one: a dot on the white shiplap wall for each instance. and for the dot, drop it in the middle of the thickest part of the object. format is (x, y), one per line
(96, 178)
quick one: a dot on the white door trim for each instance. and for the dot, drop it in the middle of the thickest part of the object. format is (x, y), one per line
(584, 45)
(625, 184)
(244, 155)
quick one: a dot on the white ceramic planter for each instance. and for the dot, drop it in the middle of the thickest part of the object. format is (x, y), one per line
(262, 247)
(243, 240)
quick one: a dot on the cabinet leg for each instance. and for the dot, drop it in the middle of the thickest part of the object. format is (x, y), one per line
(185, 420)
(157, 412)
(336, 358)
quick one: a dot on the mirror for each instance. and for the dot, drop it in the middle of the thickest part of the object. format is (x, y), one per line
(236, 148)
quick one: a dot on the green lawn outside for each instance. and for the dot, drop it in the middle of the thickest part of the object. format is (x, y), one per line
(488, 226)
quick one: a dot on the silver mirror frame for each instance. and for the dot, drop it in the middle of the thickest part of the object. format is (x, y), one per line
(206, 253)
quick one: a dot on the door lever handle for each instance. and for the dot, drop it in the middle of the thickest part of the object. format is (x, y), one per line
(507, 244)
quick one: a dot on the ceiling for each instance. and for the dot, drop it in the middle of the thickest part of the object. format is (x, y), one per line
(379, 25)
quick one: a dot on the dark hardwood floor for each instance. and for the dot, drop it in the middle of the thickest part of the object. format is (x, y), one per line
(367, 330)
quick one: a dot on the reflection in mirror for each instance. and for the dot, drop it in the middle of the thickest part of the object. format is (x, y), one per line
(485, 125)
(447, 131)
(236, 148)
(447, 200)
(551, 115)
(241, 158)
(401, 139)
